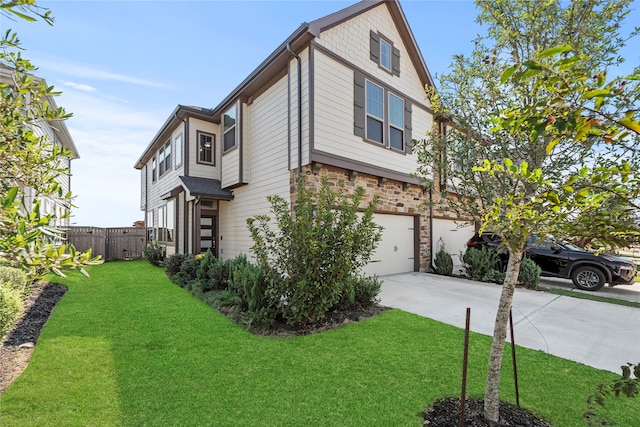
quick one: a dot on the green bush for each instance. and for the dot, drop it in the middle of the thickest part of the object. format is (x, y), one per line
(478, 262)
(530, 273)
(188, 271)
(172, 264)
(252, 285)
(443, 262)
(11, 305)
(203, 271)
(213, 273)
(314, 250)
(494, 276)
(366, 291)
(15, 278)
(154, 252)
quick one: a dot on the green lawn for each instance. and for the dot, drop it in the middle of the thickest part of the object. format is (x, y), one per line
(127, 347)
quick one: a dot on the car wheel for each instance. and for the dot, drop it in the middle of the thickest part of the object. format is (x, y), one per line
(588, 278)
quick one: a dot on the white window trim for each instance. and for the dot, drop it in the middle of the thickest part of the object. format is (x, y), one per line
(175, 144)
(367, 114)
(233, 128)
(381, 63)
(391, 125)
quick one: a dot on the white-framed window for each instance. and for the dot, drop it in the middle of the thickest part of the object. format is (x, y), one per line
(161, 161)
(161, 221)
(229, 133)
(206, 148)
(177, 142)
(396, 122)
(375, 112)
(153, 169)
(380, 127)
(151, 235)
(385, 54)
(167, 156)
(169, 221)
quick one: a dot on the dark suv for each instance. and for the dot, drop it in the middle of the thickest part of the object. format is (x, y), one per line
(587, 270)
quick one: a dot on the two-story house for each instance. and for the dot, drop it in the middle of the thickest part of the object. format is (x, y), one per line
(341, 98)
(55, 133)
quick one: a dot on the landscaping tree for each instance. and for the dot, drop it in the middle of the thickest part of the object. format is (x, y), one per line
(516, 177)
(28, 238)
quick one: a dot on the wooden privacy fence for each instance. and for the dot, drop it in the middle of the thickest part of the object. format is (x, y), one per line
(110, 243)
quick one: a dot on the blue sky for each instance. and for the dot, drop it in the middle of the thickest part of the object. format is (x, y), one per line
(123, 66)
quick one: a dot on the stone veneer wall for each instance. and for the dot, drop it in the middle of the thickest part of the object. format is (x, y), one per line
(394, 199)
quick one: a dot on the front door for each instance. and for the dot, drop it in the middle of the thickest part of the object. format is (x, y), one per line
(208, 233)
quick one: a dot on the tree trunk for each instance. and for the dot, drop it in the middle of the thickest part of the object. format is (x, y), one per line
(492, 391)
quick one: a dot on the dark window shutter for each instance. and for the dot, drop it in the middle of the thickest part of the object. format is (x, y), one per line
(395, 61)
(374, 47)
(358, 103)
(407, 127)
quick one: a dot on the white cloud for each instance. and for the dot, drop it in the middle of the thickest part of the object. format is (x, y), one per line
(80, 86)
(88, 72)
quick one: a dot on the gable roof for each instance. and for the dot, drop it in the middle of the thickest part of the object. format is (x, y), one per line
(306, 32)
(278, 61)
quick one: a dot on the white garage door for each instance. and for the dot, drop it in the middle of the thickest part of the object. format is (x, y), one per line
(454, 236)
(395, 250)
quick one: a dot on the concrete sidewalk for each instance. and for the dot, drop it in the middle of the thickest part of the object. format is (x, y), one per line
(602, 335)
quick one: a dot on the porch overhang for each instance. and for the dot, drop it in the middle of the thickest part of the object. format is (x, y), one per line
(204, 187)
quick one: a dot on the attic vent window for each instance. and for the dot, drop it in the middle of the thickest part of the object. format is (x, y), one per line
(383, 53)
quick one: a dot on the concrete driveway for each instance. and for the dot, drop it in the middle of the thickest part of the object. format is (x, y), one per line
(602, 335)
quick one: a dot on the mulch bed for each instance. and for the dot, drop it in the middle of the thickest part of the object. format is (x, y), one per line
(15, 350)
(446, 413)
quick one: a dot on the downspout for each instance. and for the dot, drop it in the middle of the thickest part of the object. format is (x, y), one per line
(146, 204)
(295, 55)
(185, 166)
(432, 269)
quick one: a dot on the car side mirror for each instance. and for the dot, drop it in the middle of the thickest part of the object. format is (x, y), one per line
(556, 248)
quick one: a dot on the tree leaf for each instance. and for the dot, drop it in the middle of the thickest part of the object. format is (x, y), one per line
(508, 73)
(555, 51)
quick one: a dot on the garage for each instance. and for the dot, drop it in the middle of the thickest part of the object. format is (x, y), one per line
(395, 252)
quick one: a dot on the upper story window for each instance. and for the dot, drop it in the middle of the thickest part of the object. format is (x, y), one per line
(375, 112)
(229, 128)
(177, 142)
(167, 156)
(206, 148)
(153, 169)
(380, 115)
(161, 161)
(383, 53)
(396, 122)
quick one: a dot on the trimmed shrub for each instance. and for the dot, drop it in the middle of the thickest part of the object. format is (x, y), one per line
(252, 285)
(530, 273)
(15, 278)
(172, 264)
(11, 304)
(155, 253)
(478, 262)
(443, 262)
(188, 271)
(494, 276)
(313, 252)
(366, 291)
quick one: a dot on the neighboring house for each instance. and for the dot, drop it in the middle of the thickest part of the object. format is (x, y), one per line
(56, 133)
(341, 98)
